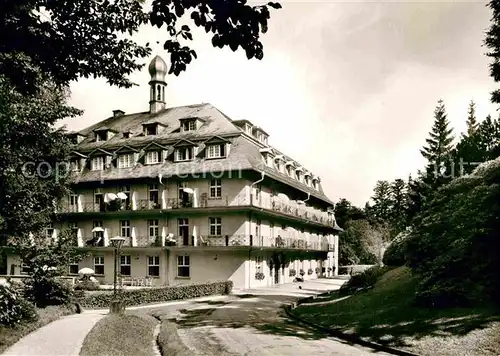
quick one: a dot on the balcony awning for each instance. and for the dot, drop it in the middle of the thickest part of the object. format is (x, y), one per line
(97, 229)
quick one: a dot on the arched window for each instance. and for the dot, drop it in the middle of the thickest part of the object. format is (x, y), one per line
(152, 93)
(163, 90)
(158, 95)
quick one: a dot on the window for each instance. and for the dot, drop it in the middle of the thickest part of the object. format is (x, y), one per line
(183, 266)
(184, 154)
(153, 228)
(298, 175)
(97, 163)
(216, 188)
(75, 165)
(215, 226)
(216, 151)
(152, 157)
(269, 160)
(101, 135)
(153, 266)
(125, 265)
(49, 231)
(73, 268)
(126, 135)
(257, 228)
(248, 129)
(289, 170)
(258, 190)
(99, 264)
(153, 193)
(189, 125)
(125, 160)
(278, 164)
(125, 228)
(150, 130)
(306, 180)
(25, 268)
(315, 184)
(98, 235)
(73, 202)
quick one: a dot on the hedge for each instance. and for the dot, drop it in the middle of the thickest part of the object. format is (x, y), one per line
(155, 295)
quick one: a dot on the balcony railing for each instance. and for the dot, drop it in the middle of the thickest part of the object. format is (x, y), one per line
(203, 201)
(249, 240)
(215, 241)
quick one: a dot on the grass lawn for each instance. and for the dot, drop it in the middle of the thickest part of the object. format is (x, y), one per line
(10, 335)
(386, 315)
(121, 335)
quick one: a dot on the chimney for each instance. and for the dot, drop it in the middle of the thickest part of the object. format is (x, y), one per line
(118, 112)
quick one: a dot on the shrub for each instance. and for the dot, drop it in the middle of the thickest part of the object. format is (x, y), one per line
(14, 308)
(292, 272)
(309, 271)
(363, 280)
(87, 284)
(45, 290)
(155, 295)
(259, 276)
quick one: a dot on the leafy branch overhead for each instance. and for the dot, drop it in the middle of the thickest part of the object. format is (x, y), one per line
(67, 40)
(233, 23)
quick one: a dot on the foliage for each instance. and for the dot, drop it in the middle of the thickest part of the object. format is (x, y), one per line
(362, 242)
(301, 272)
(161, 294)
(292, 272)
(32, 155)
(317, 270)
(455, 247)
(47, 262)
(345, 211)
(394, 255)
(259, 276)
(14, 308)
(309, 271)
(44, 291)
(363, 280)
(381, 209)
(71, 39)
(492, 41)
(87, 284)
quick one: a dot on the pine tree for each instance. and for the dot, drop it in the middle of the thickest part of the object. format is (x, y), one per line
(472, 123)
(382, 201)
(438, 150)
(399, 204)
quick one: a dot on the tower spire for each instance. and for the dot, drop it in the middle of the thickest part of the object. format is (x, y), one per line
(158, 71)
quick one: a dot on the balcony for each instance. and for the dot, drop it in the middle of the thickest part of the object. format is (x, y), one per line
(250, 241)
(191, 201)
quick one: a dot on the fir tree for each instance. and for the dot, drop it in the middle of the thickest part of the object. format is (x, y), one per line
(472, 123)
(438, 150)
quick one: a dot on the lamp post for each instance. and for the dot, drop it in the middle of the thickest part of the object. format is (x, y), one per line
(116, 305)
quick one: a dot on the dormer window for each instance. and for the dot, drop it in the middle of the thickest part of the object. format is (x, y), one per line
(97, 163)
(315, 183)
(75, 165)
(126, 135)
(125, 160)
(307, 180)
(153, 157)
(298, 175)
(216, 151)
(151, 129)
(189, 125)
(101, 136)
(184, 154)
(248, 129)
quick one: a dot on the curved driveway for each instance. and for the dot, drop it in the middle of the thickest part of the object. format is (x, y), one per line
(252, 323)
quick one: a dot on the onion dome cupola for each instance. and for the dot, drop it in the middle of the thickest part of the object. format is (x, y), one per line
(158, 70)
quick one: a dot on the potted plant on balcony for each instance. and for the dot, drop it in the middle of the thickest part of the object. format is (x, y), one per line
(309, 271)
(114, 205)
(318, 271)
(259, 276)
(292, 272)
(170, 241)
(302, 272)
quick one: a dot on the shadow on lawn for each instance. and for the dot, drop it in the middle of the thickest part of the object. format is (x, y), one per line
(391, 325)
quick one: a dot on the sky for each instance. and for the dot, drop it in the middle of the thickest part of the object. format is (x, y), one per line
(348, 89)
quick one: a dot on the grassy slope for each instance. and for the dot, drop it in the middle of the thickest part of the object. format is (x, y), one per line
(10, 335)
(124, 335)
(386, 315)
